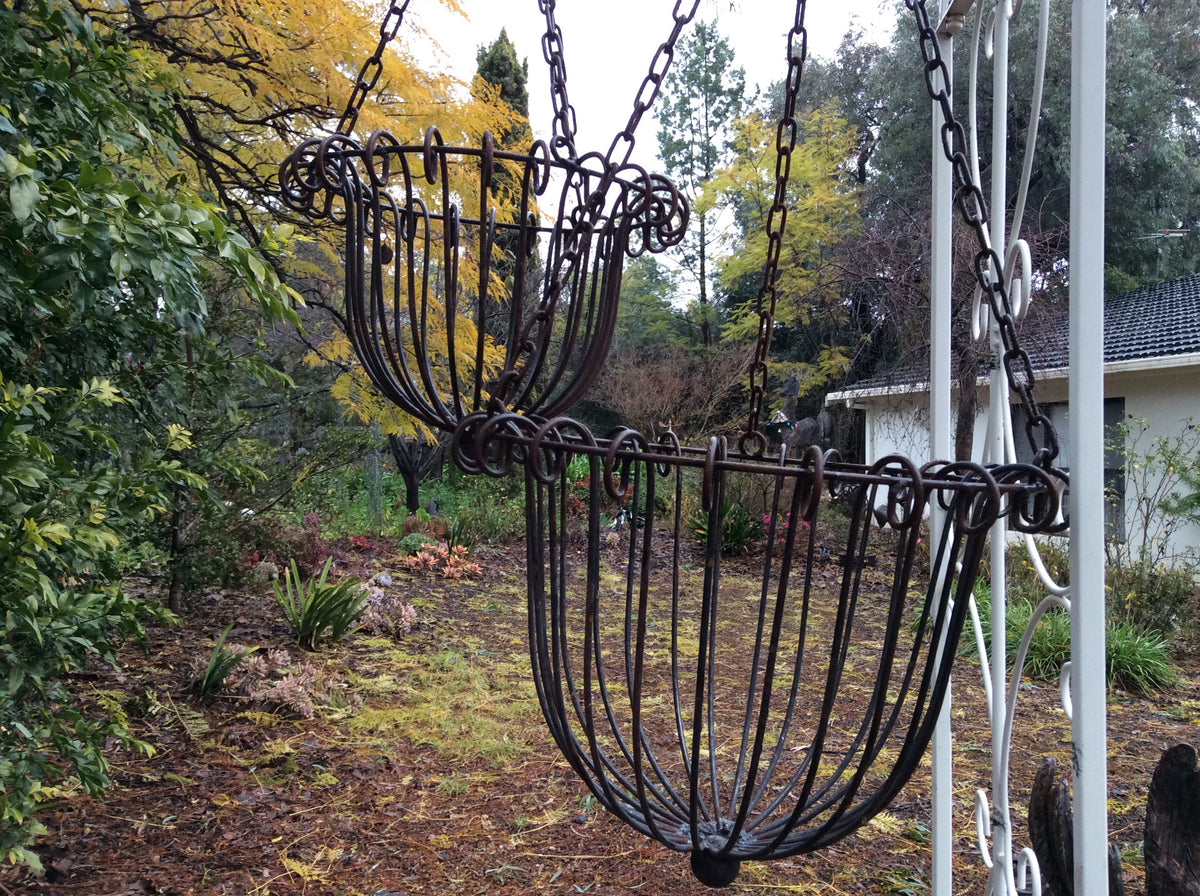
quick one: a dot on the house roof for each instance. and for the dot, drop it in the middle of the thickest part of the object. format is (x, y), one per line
(1155, 321)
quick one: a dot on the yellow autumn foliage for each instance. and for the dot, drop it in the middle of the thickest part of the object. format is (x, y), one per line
(823, 210)
(260, 78)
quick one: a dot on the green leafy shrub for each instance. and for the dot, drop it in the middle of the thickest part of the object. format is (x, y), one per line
(104, 282)
(739, 531)
(1149, 596)
(65, 509)
(417, 541)
(489, 509)
(1137, 658)
(319, 611)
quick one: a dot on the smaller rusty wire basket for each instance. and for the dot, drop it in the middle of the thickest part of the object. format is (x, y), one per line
(734, 698)
(508, 306)
(480, 277)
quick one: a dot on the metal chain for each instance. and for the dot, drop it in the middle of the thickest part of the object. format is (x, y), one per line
(565, 123)
(968, 197)
(785, 144)
(622, 144)
(369, 74)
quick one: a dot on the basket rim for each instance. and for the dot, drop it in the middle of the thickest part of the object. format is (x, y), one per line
(495, 444)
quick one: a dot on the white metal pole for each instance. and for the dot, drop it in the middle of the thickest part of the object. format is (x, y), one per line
(940, 446)
(998, 410)
(1086, 428)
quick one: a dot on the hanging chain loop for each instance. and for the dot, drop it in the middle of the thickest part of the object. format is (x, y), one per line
(565, 123)
(989, 269)
(369, 74)
(752, 440)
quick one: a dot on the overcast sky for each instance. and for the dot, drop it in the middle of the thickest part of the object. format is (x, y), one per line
(608, 46)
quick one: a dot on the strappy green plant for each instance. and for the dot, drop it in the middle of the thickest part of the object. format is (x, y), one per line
(221, 662)
(319, 611)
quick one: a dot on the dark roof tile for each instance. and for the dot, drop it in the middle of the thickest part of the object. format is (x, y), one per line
(1155, 321)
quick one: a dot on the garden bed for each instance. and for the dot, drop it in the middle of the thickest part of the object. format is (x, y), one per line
(426, 769)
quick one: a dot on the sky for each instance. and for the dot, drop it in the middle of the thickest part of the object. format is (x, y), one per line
(608, 46)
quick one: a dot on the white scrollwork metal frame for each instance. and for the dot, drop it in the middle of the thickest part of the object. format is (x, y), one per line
(1009, 873)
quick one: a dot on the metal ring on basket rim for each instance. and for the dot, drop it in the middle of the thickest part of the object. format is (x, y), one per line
(373, 152)
(432, 136)
(476, 431)
(816, 482)
(966, 472)
(834, 484)
(905, 490)
(670, 445)
(332, 160)
(415, 210)
(717, 451)
(640, 193)
(296, 176)
(618, 442)
(558, 450)
(539, 167)
(1026, 513)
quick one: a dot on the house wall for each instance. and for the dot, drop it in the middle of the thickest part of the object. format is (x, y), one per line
(1166, 398)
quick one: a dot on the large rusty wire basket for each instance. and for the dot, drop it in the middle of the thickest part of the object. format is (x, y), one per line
(457, 300)
(753, 706)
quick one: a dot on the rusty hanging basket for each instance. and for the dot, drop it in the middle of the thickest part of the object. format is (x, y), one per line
(478, 278)
(736, 721)
(747, 721)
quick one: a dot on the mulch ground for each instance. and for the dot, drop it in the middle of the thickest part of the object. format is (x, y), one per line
(426, 770)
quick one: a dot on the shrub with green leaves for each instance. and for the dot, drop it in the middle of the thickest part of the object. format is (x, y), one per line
(104, 275)
(65, 509)
(1137, 659)
(221, 663)
(319, 611)
(739, 531)
(1149, 596)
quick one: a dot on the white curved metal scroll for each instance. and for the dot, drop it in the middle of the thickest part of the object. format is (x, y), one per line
(1013, 871)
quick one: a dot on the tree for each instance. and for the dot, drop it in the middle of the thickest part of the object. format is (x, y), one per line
(691, 392)
(102, 274)
(812, 313)
(256, 80)
(701, 97)
(1151, 178)
(498, 66)
(1153, 153)
(647, 321)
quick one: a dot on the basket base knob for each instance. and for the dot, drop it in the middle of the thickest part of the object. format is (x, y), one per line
(714, 871)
